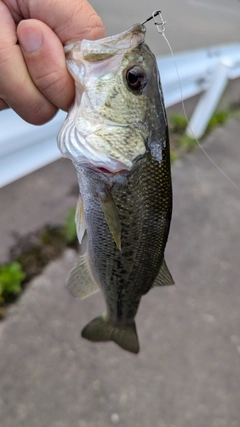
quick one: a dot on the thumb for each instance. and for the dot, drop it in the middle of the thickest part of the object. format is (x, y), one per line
(44, 56)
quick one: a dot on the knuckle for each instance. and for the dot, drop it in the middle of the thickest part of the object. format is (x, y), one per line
(56, 88)
(36, 110)
(47, 81)
(40, 113)
(96, 27)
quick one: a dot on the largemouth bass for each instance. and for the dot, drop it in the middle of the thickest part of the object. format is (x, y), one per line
(116, 134)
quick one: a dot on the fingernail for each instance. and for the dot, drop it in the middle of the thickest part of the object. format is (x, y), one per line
(30, 39)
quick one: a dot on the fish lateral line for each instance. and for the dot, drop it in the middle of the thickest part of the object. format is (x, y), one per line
(161, 30)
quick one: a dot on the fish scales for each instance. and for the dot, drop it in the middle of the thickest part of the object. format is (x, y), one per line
(125, 200)
(143, 236)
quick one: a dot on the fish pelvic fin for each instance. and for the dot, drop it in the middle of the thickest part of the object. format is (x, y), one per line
(111, 216)
(80, 281)
(102, 329)
(80, 219)
(164, 277)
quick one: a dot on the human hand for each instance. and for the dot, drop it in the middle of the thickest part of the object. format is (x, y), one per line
(34, 80)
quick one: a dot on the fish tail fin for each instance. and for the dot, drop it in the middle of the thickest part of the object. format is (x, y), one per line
(102, 329)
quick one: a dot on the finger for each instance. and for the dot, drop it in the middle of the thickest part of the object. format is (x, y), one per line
(70, 20)
(16, 86)
(46, 64)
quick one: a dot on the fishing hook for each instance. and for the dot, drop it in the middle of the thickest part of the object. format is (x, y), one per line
(160, 25)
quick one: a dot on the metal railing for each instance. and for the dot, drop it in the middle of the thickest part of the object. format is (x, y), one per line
(204, 71)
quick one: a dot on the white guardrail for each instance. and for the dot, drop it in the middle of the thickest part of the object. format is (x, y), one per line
(25, 148)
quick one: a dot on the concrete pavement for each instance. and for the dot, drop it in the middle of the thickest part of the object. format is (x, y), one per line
(188, 371)
(43, 197)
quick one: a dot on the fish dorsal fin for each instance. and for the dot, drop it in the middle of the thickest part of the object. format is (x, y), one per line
(80, 281)
(80, 220)
(164, 277)
(111, 216)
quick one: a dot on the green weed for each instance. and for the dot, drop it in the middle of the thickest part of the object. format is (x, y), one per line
(11, 277)
(177, 123)
(186, 143)
(173, 156)
(69, 228)
(218, 118)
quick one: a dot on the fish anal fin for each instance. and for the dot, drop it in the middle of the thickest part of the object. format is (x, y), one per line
(111, 216)
(101, 329)
(80, 281)
(80, 219)
(164, 277)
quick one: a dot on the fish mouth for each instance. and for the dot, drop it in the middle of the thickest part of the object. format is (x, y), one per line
(93, 50)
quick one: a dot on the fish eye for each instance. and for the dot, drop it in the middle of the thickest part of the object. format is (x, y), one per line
(136, 78)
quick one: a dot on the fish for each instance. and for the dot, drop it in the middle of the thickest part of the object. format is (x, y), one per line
(116, 134)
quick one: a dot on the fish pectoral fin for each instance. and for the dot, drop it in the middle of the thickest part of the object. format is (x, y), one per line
(80, 220)
(111, 216)
(102, 329)
(164, 277)
(80, 281)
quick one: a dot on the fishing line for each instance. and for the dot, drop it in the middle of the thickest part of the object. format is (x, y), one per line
(160, 25)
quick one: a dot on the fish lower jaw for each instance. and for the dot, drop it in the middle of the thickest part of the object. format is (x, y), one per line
(72, 146)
